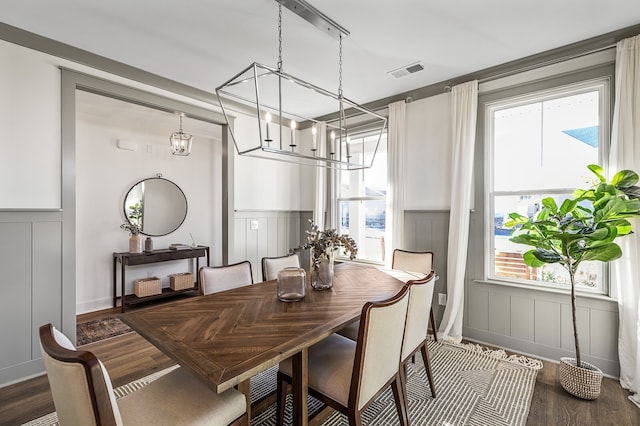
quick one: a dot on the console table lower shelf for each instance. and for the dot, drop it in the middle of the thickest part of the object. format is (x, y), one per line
(129, 259)
(132, 299)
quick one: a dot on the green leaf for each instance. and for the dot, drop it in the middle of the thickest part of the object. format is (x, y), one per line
(598, 171)
(624, 179)
(599, 234)
(547, 256)
(584, 194)
(567, 206)
(550, 203)
(531, 260)
(527, 239)
(623, 226)
(610, 209)
(516, 219)
(632, 192)
(604, 253)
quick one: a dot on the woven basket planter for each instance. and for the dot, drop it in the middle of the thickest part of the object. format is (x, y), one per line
(583, 382)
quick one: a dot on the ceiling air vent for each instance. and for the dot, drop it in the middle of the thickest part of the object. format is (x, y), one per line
(406, 70)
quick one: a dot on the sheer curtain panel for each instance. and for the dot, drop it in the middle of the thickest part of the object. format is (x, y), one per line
(625, 154)
(397, 140)
(464, 111)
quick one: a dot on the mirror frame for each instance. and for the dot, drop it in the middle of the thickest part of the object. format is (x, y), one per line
(159, 177)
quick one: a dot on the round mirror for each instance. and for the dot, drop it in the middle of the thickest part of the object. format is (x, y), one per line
(156, 205)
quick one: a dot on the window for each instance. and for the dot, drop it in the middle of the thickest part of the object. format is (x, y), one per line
(540, 146)
(362, 199)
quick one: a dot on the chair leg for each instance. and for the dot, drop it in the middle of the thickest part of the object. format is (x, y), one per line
(403, 386)
(398, 396)
(355, 417)
(427, 365)
(432, 320)
(281, 399)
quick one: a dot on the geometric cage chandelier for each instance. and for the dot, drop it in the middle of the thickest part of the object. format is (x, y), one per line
(287, 111)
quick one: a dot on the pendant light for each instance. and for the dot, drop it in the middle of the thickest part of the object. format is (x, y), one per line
(181, 141)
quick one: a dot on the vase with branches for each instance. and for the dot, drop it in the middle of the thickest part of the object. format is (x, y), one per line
(583, 228)
(323, 245)
(135, 241)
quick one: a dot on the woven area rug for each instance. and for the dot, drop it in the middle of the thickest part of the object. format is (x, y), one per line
(475, 386)
(100, 329)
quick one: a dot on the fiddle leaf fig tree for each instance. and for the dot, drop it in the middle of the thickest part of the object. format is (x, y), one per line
(583, 228)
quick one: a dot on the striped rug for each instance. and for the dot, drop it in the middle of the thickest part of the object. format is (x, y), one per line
(475, 387)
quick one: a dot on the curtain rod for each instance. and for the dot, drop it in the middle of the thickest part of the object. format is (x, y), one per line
(541, 64)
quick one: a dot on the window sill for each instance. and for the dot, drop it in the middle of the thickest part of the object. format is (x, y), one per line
(511, 284)
(359, 261)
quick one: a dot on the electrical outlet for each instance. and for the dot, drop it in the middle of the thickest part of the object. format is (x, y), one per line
(254, 224)
(442, 299)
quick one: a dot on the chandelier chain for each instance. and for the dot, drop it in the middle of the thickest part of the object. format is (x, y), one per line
(280, 37)
(340, 68)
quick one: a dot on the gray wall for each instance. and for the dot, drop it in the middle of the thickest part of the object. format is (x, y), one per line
(278, 231)
(526, 319)
(31, 288)
(429, 231)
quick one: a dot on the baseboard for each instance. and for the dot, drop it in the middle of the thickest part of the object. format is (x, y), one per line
(94, 305)
(610, 368)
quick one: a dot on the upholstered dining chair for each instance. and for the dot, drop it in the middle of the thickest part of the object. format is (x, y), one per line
(348, 375)
(83, 394)
(220, 278)
(272, 265)
(416, 261)
(415, 329)
(410, 261)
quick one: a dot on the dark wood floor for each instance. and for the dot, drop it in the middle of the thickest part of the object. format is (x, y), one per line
(130, 357)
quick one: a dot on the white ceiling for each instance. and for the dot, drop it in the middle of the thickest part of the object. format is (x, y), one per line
(203, 43)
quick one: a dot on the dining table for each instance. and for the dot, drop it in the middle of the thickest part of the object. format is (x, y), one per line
(226, 338)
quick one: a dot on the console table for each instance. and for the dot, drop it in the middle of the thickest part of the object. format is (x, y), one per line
(164, 255)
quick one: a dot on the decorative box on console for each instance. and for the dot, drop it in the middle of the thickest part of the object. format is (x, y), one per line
(147, 286)
(181, 281)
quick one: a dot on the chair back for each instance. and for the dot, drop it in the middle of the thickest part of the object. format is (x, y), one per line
(378, 348)
(80, 385)
(214, 279)
(415, 329)
(412, 261)
(272, 265)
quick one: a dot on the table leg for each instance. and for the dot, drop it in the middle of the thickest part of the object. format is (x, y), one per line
(245, 388)
(300, 387)
(122, 280)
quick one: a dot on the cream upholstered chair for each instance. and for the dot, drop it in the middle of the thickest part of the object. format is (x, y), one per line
(272, 265)
(83, 394)
(410, 261)
(416, 261)
(415, 329)
(348, 375)
(220, 278)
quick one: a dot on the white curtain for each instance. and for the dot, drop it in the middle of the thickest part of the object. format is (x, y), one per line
(625, 154)
(464, 109)
(320, 184)
(396, 142)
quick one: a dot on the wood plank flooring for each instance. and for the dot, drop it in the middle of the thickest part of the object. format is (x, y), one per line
(130, 357)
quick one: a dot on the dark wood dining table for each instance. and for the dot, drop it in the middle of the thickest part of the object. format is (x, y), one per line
(226, 338)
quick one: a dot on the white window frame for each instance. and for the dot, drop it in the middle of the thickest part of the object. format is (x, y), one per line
(602, 84)
(337, 199)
